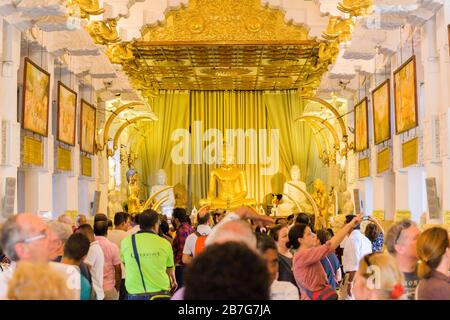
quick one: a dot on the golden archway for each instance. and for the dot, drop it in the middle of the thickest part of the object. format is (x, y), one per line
(326, 124)
(123, 126)
(110, 120)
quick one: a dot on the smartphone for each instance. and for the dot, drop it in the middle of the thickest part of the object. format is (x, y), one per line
(366, 218)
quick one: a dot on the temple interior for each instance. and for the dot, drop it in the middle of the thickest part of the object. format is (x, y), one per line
(324, 106)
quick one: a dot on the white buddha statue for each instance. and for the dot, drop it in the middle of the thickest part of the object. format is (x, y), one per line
(287, 206)
(166, 206)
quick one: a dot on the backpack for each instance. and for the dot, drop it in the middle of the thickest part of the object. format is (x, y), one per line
(199, 243)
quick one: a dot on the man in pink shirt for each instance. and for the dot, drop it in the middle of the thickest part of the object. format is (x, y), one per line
(111, 271)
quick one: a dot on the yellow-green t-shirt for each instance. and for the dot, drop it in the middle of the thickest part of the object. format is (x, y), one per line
(155, 255)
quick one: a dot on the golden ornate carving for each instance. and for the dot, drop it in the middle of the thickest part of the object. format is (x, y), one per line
(120, 53)
(103, 32)
(86, 8)
(224, 20)
(339, 29)
(356, 7)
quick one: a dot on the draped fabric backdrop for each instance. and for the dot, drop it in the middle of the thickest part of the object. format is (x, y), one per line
(224, 110)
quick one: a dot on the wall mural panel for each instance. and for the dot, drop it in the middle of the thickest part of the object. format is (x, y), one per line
(88, 127)
(35, 98)
(405, 92)
(67, 112)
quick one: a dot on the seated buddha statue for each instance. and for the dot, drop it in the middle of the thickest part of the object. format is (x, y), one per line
(291, 194)
(229, 183)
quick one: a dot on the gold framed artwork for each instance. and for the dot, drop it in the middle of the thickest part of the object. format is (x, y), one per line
(381, 110)
(67, 113)
(361, 126)
(36, 98)
(405, 96)
(87, 127)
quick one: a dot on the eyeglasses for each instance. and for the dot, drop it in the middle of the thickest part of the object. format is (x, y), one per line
(40, 236)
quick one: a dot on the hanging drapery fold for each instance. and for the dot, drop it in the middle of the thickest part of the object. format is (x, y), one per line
(254, 115)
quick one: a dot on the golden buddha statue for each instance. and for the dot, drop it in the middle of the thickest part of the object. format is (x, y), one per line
(230, 184)
(134, 203)
(321, 199)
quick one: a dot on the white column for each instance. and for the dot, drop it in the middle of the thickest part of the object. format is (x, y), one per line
(10, 149)
(433, 99)
(38, 183)
(442, 20)
(65, 184)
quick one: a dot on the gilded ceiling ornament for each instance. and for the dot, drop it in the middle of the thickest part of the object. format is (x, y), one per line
(86, 8)
(339, 29)
(120, 53)
(356, 8)
(226, 72)
(224, 20)
(196, 24)
(103, 32)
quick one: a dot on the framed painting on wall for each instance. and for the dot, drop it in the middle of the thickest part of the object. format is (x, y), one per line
(405, 96)
(36, 98)
(361, 126)
(67, 112)
(87, 127)
(381, 110)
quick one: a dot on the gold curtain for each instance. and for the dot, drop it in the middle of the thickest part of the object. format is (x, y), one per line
(296, 141)
(172, 109)
(224, 110)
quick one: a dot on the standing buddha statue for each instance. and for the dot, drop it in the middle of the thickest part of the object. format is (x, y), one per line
(134, 203)
(321, 199)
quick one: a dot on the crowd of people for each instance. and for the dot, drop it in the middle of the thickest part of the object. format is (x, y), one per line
(224, 256)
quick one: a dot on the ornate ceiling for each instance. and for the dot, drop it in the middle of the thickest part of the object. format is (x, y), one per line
(127, 28)
(224, 45)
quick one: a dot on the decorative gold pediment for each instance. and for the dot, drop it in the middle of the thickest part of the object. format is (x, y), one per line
(224, 21)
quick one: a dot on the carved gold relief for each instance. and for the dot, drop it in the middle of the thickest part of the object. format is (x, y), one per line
(356, 7)
(103, 32)
(224, 20)
(85, 8)
(339, 29)
(120, 53)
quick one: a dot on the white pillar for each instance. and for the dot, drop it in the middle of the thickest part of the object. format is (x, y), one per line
(10, 149)
(433, 98)
(65, 184)
(38, 182)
